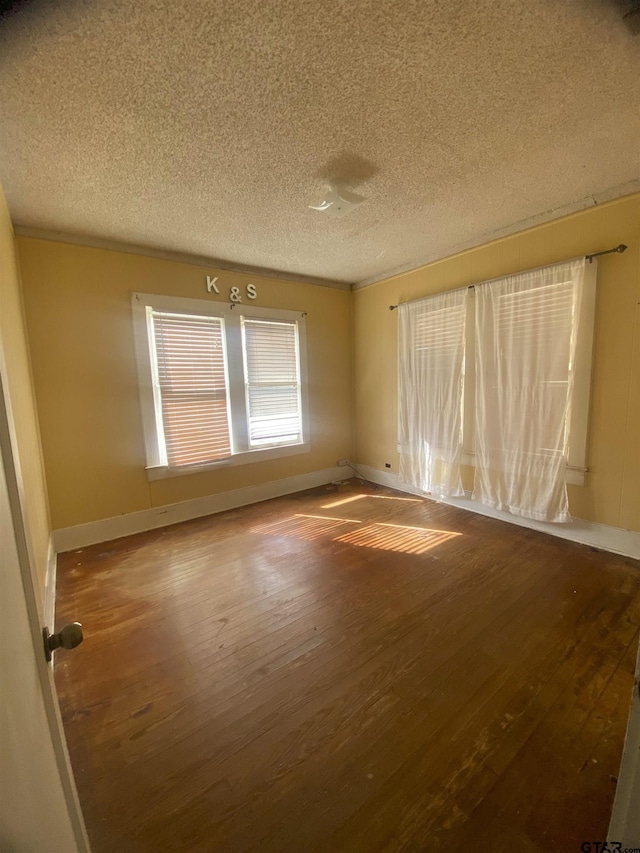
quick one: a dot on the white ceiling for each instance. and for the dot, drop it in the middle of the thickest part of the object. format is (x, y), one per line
(208, 127)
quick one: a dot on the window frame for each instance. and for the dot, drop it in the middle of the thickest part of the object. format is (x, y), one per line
(230, 314)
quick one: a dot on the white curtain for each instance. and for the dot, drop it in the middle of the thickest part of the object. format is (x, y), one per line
(430, 375)
(526, 329)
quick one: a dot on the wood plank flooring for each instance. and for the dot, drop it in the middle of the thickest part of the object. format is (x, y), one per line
(346, 669)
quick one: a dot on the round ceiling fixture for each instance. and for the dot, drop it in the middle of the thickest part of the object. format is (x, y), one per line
(338, 201)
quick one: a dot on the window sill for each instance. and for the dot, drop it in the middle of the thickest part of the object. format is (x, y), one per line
(163, 472)
(573, 476)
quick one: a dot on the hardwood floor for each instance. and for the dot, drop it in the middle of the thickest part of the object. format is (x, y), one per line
(346, 669)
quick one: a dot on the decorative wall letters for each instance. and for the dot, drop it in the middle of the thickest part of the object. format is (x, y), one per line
(234, 292)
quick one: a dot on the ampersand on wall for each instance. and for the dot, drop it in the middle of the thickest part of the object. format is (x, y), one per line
(234, 292)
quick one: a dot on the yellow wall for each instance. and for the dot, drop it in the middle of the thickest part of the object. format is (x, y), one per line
(16, 356)
(612, 491)
(78, 309)
(79, 317)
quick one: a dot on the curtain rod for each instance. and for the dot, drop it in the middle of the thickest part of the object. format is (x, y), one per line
(619, 249)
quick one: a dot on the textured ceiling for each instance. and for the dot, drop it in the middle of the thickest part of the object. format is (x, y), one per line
(208, 127)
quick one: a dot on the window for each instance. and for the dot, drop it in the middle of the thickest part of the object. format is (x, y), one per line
(522, 322)
(527, 327)
(190, 385)
(430, 376)
(513, 400)
(272, 379)
(219, 384)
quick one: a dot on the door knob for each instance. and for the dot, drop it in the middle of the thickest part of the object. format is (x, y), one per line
(67, 637)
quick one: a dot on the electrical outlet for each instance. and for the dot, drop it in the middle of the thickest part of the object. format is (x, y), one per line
(343, 462)
(387, 464)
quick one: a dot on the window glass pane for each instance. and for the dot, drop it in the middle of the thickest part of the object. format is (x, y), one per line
(533, 335)
(272, 378)
(192, 384)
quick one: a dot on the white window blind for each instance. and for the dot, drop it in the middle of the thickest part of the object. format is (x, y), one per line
(537, 327)
(430, 375)
(191, 387)
(272, 382)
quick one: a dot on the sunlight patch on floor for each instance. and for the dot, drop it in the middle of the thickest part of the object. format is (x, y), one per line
(377, 497)
(397, 537)
(305, 526)
(381, 535)
(342, 501)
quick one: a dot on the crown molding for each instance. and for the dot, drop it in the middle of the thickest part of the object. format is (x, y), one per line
(170, 255)
(607, 197)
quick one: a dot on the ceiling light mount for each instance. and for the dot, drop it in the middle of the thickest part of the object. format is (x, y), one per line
(338, 201)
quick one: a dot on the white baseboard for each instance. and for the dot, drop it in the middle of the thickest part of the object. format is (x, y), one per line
(81, 535)
(614, 539)
(49, 605)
